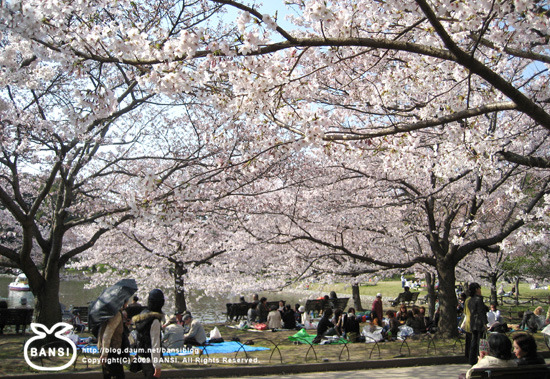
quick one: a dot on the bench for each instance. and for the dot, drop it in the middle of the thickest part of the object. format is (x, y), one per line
(235, 311)
(541, 371)
(401, 300)
(318, 305)
(19, 317)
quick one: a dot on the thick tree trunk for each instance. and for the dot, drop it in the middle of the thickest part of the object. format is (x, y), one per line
(447, 300)
(356, 298)
(179, 287)
(47, 308)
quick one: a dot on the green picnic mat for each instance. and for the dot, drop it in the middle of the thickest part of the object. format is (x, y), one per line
(304, 337)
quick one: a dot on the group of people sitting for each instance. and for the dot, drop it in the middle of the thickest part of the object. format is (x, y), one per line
(500, 354)
(339, 324)
(281, 316)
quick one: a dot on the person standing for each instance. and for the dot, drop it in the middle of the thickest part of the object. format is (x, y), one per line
(148, 327)
(465, 326)
(478, 320)
(377, 312)
(112, 343)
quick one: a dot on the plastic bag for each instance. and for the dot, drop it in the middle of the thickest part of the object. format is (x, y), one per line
(215, 334)
(372, 334)
(405, 331)
(244, 325)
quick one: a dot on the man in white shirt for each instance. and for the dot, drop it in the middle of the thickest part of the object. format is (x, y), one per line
(493, 315)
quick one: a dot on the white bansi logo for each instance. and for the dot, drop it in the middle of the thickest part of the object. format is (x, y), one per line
(62, 352)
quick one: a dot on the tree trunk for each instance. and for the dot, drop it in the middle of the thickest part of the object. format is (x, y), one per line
(47, 308)
(493, 280)
(179, 287)
(356, 298)
(448, 325)
(516, 284)
(430, 286)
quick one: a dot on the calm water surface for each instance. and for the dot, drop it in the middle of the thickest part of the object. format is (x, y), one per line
(208, 309)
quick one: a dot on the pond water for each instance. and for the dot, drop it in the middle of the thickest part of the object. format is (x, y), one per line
(208, 309)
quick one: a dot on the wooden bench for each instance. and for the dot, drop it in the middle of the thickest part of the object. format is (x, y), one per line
(16, 316)
(401, 300)
(235, 311)
(317, 305)
(541, 371)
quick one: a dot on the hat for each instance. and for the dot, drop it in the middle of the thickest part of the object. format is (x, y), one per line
(302, 309)
(378, 294)
(187, 316)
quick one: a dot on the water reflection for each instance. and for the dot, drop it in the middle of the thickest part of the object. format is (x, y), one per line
(208, 309)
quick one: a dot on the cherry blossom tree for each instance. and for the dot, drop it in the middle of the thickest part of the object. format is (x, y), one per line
(429, 94)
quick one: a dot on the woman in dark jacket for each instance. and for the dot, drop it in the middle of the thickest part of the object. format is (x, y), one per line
(525, 349)
(478, 320)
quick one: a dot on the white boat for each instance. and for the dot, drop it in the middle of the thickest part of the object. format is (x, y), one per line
(21, 283)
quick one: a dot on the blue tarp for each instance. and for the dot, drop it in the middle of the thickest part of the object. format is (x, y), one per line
(215, 348)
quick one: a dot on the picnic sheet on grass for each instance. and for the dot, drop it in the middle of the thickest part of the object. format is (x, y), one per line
(215, 348)
(303, 336)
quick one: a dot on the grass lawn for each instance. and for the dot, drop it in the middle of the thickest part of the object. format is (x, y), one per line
(282, 351)
(11, 345)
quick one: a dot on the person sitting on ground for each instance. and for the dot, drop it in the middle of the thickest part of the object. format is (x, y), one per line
(262, 310)
(252, 313)
(493, 315)
(541, 321)
(78, 325)
(338, 320)
(402, 314)
(403, 297)
(281, 306)
(499, 354)
(427, 319)
(306, 319)
(173, 334)
(390, 330)
(289, 318)
(325, 327)
(298, 313)
(350, 326)
(416, 321)
(525, 349)
(274, 319)
(531, 321)
(196, 336)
